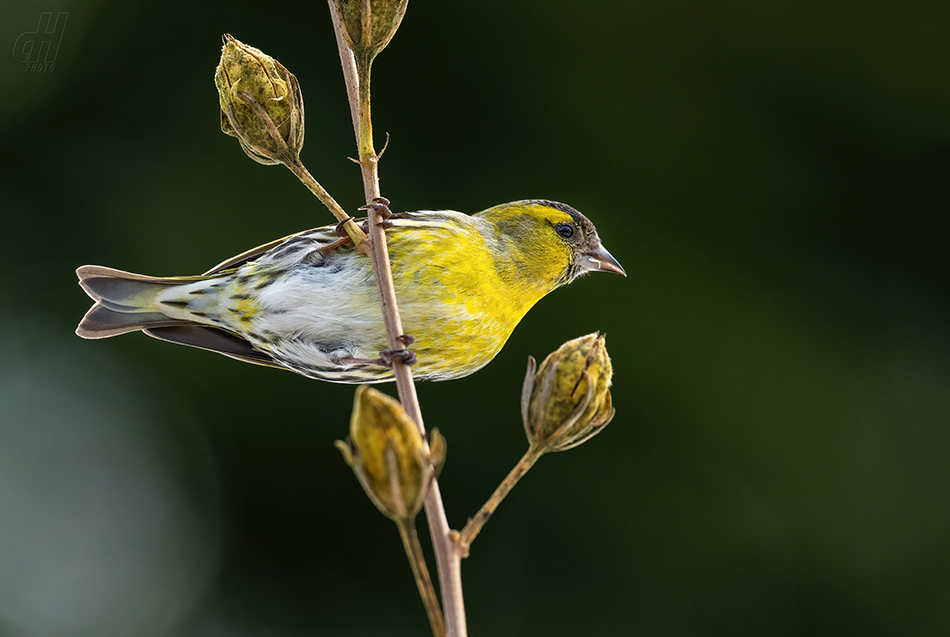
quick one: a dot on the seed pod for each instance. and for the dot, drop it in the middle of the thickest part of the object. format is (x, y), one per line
(568, 400)
(261, 103)
(368, 26)
(387, 454)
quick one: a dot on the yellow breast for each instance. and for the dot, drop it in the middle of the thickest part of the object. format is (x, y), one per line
(461, 288)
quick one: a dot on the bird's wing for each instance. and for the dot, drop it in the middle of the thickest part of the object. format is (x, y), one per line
(244, 257)
(320, 236)
(213, 340)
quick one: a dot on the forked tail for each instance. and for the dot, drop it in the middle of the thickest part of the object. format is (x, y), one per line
(125, 302)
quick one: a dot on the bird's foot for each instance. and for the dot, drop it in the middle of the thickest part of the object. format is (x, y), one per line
(388, 355)
(381, 206)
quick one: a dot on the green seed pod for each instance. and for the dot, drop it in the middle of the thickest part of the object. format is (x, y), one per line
(568, 400)
(261, 103)
(388, 455)
(369, 25)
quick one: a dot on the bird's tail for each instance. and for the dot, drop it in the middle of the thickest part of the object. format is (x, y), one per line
(125, 302)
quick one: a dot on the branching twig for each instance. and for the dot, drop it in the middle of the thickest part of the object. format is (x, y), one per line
(475, 524)
(410, 540)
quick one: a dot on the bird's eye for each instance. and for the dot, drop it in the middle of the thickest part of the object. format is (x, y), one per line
(565, 230)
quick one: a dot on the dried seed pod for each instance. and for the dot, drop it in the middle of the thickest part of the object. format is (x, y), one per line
(567, 401)
(261, 103)
(388, 455)
(368, 26)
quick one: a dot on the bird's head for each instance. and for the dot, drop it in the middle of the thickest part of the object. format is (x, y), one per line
(549, 241)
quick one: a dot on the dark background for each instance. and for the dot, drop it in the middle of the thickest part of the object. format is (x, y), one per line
(774, 177)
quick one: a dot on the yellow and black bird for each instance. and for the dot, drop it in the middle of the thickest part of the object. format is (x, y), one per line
(462, 283)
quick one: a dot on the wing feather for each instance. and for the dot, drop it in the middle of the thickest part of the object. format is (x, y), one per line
(213, 340)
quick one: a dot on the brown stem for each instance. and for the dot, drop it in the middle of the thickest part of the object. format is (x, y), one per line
(410, 540)
(448, 559)
(349, 72)
(475, 524)
(357, 96)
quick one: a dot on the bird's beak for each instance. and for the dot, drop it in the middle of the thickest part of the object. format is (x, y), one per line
(599, 259)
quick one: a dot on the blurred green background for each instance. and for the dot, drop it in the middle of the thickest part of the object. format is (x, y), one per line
(774, 177)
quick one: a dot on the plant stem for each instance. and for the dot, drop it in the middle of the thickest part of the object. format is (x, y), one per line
(410, 540)
(448, 558)
(353, 230)
(475, 524)
(349, 71)
(369, 161)
(291, 160)
(357, 95)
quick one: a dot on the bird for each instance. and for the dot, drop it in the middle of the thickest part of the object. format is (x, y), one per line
(308, 302)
